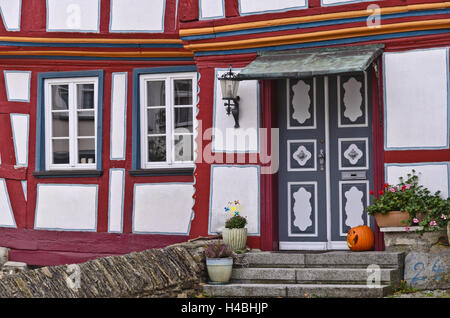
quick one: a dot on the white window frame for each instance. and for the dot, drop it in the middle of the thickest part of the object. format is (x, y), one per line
(168, 78)
(73, 124)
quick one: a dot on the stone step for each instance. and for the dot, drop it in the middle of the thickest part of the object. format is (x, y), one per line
(296, 290)
(388, 276)
(326, 259)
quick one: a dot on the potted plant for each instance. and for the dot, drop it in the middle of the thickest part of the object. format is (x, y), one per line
(410, 204)
(235, 233)
(219, 262)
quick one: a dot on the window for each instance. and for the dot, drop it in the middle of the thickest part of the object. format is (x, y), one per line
(71, 107)
(167, 120)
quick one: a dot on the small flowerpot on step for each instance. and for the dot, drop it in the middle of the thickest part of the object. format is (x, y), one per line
(219, 269)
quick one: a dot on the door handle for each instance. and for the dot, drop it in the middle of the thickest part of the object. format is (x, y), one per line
(322, 159)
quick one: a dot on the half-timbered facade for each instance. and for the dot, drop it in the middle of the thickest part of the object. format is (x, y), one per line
(114, 136)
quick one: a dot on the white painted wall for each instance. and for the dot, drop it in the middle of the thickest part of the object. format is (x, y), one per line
(244, 139)
(229, 183)
(137, 15)
(71, 207)
(73, 15)
(433, 176)
(416, 99)
(116, 200)
(118, 115)
(6, 213)
(163, 208)
(20, 132)
(17, 85)
(10, 10)
(211, 9)
(256, 6)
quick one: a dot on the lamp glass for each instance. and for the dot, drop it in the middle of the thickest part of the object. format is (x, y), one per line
(229, 88)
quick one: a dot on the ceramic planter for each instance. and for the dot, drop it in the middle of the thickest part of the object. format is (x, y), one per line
(219, 269)
(392, 219)
(236, 239)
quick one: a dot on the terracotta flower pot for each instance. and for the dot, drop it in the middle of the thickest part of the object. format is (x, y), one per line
(236, 239)
(393, 218)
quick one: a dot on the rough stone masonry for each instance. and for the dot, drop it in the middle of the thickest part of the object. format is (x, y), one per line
(170, 272)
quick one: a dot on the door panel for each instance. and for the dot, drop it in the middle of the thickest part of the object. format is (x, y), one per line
(350, 152)
(301, 177)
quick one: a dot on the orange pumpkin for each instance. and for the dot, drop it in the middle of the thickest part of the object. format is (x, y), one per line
(360, 238)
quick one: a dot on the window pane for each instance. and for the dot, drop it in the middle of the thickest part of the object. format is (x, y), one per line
(156, 93)
(60, 151)
(60, 97)
(184, 148)
(85, 96)
(156, 149)
(156, 121)
(86, 123)
(183, 92)
(60, 124)
(86, 150)
(183, 119)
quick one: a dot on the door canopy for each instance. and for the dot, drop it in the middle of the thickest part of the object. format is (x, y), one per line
(311, 62)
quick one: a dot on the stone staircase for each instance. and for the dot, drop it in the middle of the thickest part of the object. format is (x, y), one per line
(328, 274)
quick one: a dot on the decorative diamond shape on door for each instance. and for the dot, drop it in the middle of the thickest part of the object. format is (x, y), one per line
(353, 154)
(302, 155)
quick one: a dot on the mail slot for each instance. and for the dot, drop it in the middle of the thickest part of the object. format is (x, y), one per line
(353, 175)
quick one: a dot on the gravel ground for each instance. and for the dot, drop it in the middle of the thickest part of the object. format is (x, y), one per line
(424, 294)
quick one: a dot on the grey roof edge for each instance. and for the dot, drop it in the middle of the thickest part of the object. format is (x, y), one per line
(377, 46)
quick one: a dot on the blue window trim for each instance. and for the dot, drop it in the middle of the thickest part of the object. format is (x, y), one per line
(40, 114)
(136, 129)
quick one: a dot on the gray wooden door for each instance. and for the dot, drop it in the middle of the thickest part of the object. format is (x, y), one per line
(325, 160)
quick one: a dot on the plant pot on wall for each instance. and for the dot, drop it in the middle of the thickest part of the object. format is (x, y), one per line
(393, 218)
(235, 238)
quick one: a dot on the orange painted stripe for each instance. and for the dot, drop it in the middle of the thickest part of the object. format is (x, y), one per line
(99, 54)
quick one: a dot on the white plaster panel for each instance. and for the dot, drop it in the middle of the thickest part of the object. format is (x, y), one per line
(116, 200)
(118, 115)
(19, 124)
(331, 2)
(24, 187)
(6, 213)
(10, 10)
(416, 99)
(137, 15)
(243, 139)
(66, 207)
(73, 15)
(229, 183)
(435, 177)
(211, 9)
(163, 208)
(255, 6)
(17, 85)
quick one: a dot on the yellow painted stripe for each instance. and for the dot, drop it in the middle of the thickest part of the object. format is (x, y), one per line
(314, 18)
(322, 35)
(99, 54)
(88, 40)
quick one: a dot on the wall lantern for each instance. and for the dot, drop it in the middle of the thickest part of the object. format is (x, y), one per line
(229, 84)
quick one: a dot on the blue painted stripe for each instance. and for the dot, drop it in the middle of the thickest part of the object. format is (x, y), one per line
(109, 45)
(313, 24)
(324, 43)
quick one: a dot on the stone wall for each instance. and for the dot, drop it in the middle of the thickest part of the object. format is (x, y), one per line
(427, 256)
(175, 271)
